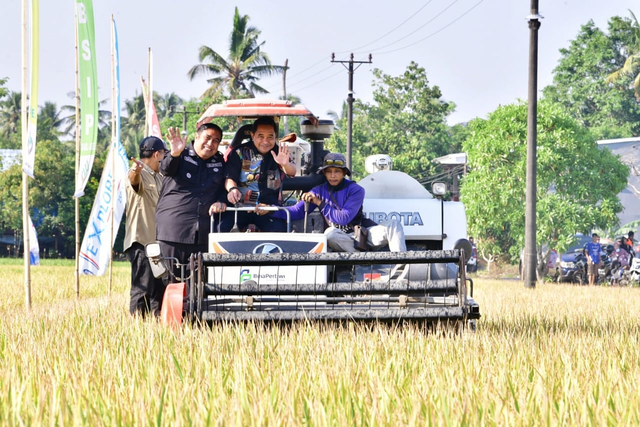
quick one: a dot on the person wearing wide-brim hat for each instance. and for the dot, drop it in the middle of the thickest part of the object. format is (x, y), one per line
(143, 185)
(340, 200)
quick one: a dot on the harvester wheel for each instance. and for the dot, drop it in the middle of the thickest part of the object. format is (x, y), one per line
(173, 304)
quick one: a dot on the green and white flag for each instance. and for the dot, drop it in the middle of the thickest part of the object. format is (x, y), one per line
(88, 92)
(29, 151)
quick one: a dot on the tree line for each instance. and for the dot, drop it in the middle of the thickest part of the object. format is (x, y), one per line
(593, 96)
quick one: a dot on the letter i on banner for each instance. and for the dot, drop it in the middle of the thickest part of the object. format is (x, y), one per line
(88, 92)
(29, 152)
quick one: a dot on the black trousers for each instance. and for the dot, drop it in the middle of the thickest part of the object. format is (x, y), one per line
(146, 290)
(182, 252)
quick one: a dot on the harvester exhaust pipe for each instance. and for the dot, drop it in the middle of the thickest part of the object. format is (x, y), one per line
(316, 136)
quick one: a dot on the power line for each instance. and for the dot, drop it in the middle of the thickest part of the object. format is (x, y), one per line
(386, 34)
(417, 29)
(360, 47)
(270, 87)
(310, 77)
(434, 33)
(319, 81)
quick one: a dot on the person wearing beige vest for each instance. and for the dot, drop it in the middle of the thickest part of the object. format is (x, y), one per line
(143, 185)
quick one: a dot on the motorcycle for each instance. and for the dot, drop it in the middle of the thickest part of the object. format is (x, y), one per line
(620, 274)
(634, 271)
(605, 267)
(573, 267)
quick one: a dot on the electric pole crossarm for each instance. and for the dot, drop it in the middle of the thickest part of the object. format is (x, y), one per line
(349, 66)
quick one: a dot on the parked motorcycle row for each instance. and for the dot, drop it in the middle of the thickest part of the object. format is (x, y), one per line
(573, 268)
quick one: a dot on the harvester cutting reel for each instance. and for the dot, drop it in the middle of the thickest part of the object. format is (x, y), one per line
(313, 286)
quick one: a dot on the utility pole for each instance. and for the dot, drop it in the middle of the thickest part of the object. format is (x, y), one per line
(285, 119)
(530, 247)
(184, 113)
(350, 99)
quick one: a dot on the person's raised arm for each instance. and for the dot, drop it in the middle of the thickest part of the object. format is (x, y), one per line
(134, 174)
(282, 158)
(169, 164)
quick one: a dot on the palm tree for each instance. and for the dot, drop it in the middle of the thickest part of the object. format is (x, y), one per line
(50, 111)
(165, 103)
(133, 124)
(69, 121)
(10, 114)
(632, 64)
(245, 65)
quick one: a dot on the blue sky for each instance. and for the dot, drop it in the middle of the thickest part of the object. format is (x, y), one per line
(476, 51)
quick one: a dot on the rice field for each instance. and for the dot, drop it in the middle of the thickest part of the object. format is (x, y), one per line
(556, 355)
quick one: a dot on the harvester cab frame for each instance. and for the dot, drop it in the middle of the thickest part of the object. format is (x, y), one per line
(292, 276)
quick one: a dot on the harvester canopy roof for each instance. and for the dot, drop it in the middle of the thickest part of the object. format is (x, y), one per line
(254, 108)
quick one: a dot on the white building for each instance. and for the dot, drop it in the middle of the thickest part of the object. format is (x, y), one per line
(629, 151)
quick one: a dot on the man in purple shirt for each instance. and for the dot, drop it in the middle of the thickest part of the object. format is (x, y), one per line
(339, 200)
(593, 250)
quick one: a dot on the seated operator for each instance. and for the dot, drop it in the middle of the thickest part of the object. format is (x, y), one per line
(339, 200)
(254, 173)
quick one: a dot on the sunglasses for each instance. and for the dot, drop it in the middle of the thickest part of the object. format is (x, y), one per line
(331, 162)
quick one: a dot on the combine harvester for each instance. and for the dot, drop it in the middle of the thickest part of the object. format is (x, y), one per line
(292, 276)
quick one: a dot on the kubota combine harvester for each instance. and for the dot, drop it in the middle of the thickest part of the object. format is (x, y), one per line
(292, 276)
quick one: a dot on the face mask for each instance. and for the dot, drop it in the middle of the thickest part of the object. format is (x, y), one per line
(618, 250)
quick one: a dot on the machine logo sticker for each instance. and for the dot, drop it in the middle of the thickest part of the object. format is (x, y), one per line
(267, 248)
(245, 275)
(405, 218)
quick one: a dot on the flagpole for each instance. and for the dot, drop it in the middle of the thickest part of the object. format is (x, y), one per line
(25, 183)
(149, 110)
(146, 99)
(77, 199)
(113, 152)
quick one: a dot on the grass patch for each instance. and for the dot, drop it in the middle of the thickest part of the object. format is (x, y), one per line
(559, 354)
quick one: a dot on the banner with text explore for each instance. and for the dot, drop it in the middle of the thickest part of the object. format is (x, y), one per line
(88, 82)
(29, 152)
(95, 252)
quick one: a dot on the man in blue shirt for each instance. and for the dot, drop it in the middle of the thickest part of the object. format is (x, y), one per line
(339, 200)
(593, 250)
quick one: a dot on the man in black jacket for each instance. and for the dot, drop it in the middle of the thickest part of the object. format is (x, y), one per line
(193, 183)
(254, 174)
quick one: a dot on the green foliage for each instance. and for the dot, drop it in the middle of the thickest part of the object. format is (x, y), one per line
(11, 120)
(407, 121)
(631, 67)
(580, 86)
(51, 201)
(195, 108)
(577, 183)
(3, 90)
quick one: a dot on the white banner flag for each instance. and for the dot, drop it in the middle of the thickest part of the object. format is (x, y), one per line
(95, 251)
(29, 152)
(34, 248)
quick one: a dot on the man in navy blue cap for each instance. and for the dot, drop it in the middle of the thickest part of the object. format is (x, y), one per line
(143, 189)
